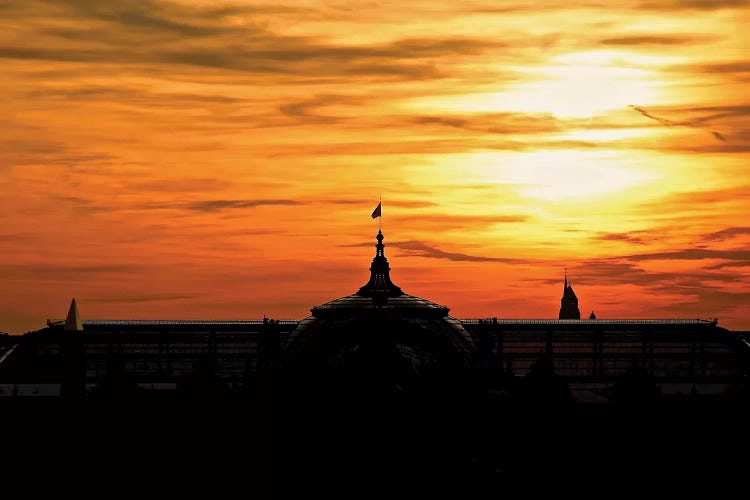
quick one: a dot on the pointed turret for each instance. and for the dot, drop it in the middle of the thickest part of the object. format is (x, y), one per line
(569, 302)
(73, 321)
(592, 315)
(380, 284)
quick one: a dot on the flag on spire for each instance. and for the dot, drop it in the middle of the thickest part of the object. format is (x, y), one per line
(378, 211)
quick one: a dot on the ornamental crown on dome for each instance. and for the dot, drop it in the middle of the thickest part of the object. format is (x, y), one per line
(380, 285)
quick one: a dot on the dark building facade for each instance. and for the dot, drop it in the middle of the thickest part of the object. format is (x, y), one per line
(377, 337)
(380, 382)
(682, 356)
(380, 338)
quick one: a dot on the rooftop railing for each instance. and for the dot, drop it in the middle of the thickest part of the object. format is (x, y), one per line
(472, 321)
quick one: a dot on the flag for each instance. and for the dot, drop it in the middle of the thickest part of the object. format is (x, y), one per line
(377, 212)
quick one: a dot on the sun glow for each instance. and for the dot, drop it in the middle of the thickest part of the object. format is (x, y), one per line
(577, 85)
(602, 135)
(249, 145)
(567, 175)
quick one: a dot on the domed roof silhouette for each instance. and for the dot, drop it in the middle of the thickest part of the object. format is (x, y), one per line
(380, 338)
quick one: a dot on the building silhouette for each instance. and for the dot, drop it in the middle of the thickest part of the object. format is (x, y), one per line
(380, 339)
(377, 339)
(569, 302)
(375, 373)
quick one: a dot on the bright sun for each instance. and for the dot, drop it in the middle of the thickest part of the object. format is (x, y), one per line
(577, 85)
(573, 175)
(582, 85)
(556, 175)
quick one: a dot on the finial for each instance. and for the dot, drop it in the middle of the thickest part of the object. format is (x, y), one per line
(380, 284)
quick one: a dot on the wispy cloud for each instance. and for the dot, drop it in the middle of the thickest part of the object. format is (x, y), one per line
(691, 254)
(632, 238)
(422, 249)
(731, 264)
(181, 185)
(631, 40)
(132, 299)
(146, 32)
(692, 201)
(690, 123)
(447, 222)
(416, 248)
(216, 205)
(57, 271)
(681, 5)
(493, 123)
(307, 110)
(728, 233)
(371, 201)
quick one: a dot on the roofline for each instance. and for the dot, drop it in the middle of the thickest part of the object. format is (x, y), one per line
(589, 321)
(105, 322)
(470, 321)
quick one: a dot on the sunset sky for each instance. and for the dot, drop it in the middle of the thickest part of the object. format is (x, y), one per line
(220, 160)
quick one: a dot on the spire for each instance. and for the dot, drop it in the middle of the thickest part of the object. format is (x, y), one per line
(73, 321)
(569, 302)
(380, 284)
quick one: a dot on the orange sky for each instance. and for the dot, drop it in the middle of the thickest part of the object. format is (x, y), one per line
(220, 159)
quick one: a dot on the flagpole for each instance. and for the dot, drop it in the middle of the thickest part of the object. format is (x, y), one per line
(380, 219)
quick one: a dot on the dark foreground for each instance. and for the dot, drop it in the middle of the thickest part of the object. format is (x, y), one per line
(299, 447)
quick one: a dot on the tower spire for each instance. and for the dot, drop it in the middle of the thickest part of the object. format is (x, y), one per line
(380, 284)
(73, 320)
(569, 301)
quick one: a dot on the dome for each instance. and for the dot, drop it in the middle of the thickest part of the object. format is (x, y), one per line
(380, 338)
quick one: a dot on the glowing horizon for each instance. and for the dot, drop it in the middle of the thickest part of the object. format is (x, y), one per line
(220, 160)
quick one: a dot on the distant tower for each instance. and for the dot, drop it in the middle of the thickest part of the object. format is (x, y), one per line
(73, 321)
(569, 302)
(592, 315)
